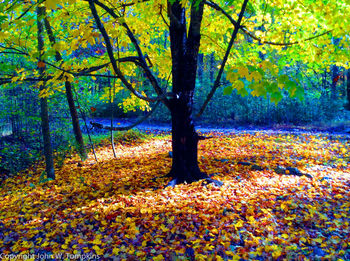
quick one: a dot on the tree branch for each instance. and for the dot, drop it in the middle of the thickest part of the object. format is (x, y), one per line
(110, 53)
(250, 34)
(224, 60)
(14, 49)
(142, 57)
(9, 80)
(87, 71)
(161, 14)
(237, 25)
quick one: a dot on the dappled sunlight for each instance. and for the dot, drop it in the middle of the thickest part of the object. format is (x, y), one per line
(122, 207)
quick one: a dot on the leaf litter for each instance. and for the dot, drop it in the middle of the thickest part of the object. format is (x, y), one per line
(121, 208)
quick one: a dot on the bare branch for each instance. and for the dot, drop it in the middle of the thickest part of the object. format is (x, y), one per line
(283, 44)
(14, 49)
(9, 52)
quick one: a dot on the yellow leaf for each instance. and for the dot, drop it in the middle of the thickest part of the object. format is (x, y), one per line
(98, 250)
(292, 217)
(158, 258)
(243, 72)
(115, 251)
(338, 196)
(285, 236)
(45, 244)
(51, 4)
(318, 240)
(239, 224)
(276, 253)
(219, 258)
(97, 241)
(256, 76)
(251, 220)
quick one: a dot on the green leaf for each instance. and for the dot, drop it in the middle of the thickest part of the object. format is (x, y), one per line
(276, 97)
(258, 89)
(282, 79)
(243, 92)
(228, 90)
(300, 93)
(271, 87)
(291, 87)
(239, 85)
(2, 18)
(250, 7)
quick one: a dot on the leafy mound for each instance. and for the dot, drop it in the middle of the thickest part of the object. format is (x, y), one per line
(120, 206)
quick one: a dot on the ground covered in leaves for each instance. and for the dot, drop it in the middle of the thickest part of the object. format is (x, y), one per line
(120, 207)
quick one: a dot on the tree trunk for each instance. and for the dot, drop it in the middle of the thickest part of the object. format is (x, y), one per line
(184, 50)
(70, 98)
(50, 172)
(184, 144)
(348, 90)
(75, 121)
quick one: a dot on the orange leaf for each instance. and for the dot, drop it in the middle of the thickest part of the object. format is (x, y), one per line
(41, 64)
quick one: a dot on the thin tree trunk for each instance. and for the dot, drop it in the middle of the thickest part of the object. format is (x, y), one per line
(70, 99)
(75, 121)
(50, 172)
(111, 102)
(348, 89)
(86, 126)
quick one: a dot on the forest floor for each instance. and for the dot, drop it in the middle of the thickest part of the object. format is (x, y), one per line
(121, 207)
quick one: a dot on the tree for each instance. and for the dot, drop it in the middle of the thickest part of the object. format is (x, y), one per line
(185, 39)
(50, 171)
(70, 98)
(254, 43)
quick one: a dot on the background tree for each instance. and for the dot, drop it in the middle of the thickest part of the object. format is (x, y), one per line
(70, 97)
(50, 171)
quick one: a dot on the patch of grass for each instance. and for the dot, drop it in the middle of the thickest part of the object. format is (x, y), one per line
(121, 137)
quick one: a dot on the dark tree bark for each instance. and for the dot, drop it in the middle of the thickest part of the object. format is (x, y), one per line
(50, 172)
(184, 51)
